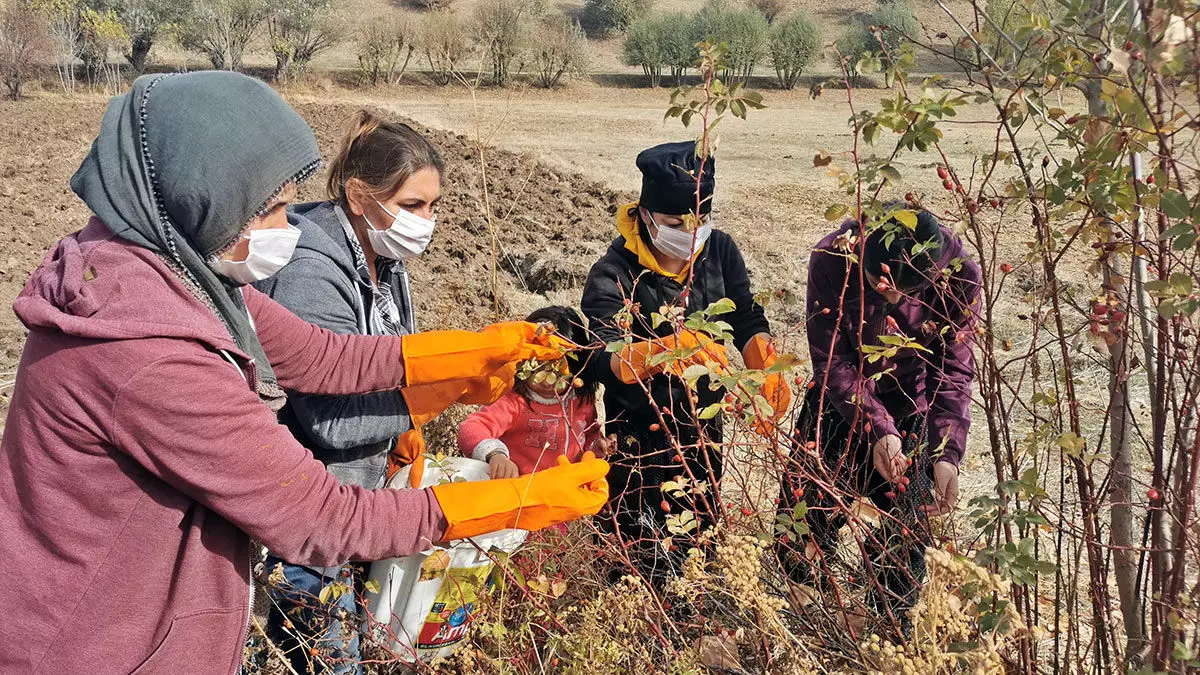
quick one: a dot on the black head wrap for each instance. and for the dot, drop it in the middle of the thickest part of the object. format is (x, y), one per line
(910, 254)
(182, 163)
(669, 179)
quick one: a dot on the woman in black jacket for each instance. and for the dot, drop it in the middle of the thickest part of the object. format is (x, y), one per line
(668, 254)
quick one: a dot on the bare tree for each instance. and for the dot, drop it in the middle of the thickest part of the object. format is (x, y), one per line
(444, 40)
(559, 49)
(382, 42)
(66, 32)
(24, 42)
(502, 30)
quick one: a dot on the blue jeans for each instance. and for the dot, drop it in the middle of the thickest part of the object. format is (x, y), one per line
(330, 628)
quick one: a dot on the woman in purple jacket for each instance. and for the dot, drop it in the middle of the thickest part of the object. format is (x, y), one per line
(888, 409)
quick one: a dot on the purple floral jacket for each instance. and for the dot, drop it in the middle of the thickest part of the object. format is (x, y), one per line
(933, 379)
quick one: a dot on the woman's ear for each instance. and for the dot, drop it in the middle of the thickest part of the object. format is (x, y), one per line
(357, 196)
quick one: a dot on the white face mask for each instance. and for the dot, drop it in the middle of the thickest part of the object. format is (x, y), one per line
(677, 242)
(407, 237)
(270, 250)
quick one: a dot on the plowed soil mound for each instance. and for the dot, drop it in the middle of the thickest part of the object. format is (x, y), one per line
(547, 226)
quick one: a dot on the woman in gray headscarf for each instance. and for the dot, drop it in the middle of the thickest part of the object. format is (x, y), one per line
(139, 457)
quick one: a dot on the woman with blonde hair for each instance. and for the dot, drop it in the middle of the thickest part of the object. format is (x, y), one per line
(348, 275)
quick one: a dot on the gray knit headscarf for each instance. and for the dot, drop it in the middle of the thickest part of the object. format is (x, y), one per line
(182, 164)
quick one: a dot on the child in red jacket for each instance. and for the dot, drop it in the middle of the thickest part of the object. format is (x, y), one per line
(550, 411)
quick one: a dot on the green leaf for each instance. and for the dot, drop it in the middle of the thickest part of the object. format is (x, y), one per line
(1175, 204)
(371, 586)
(889, 172)
(1177, 231)
(722, 306)
(710, 411)
(836, 212)
(905, 217)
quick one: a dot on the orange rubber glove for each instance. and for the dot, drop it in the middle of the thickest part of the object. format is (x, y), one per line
(409, 450)
(438, 356)
(760, 354)
(533, 502)
(634, 359)
(427, 401)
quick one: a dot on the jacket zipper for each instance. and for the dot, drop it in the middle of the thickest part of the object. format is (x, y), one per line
(249, 604)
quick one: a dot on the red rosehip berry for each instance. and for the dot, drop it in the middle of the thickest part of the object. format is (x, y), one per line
(942, 173)
(1006, 267)
(746, 511)
(1152, 494)
(885, 268)
(665, 506)
(908, 197)
(655, 427)
(1150, 179)
(948, 185)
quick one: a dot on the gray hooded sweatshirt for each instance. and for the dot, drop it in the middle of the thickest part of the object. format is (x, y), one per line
(352, 435)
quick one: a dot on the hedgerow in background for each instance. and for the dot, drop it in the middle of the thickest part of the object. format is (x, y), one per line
(795, 45)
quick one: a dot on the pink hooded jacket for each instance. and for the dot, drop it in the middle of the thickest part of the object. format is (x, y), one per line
(137, 463)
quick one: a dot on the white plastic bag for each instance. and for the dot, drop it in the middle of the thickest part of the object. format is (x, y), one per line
(426, 601)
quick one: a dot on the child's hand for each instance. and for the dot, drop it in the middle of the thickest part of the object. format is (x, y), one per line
(502, 467)
(604, 445)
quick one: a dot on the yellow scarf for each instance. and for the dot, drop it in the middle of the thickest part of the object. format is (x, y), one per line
(627, 225)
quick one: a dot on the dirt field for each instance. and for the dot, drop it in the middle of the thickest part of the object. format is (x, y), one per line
(557, 165)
